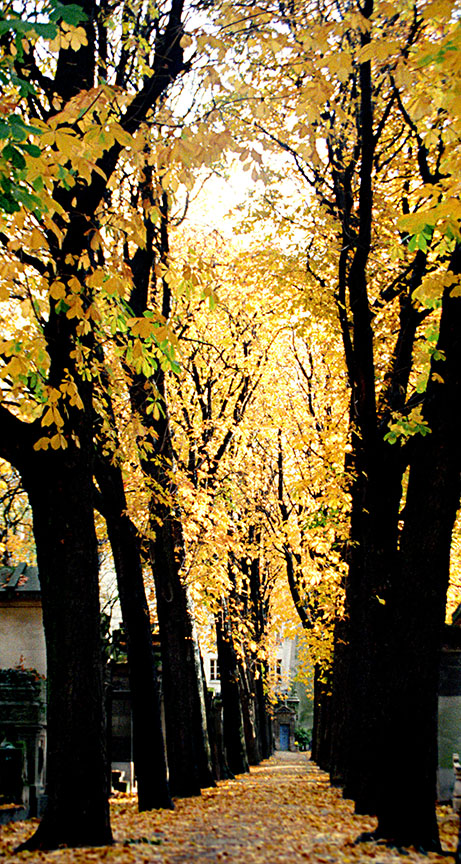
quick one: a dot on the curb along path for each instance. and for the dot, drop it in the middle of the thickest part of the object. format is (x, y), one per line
(283, 812)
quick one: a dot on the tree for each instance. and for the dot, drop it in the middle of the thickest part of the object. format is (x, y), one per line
(374, 152)
(57, 351)
(148, 741)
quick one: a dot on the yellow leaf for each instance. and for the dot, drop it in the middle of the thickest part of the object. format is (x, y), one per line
(114, 285)
(66, 143)
(439, 9)
(16, 366)
(58, 441)
(142, 327)
(95, 241)
(75, 285)
(137, 350)
(78, 38)
(58, 290)
(47, 418)
(53, 395)
(379, 50)
(57, 417)
(123, 138)
(76, 309)
(414, 223)
(37, 240)
(42, 444)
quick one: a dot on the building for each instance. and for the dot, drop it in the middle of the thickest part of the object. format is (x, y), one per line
(22, 693)
(22, 640)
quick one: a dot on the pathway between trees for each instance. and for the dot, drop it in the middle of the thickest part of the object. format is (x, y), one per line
(283, 812)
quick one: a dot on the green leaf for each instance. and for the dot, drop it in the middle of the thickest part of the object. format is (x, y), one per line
(32, 150)
(47, 31)
(390, 437)
(422, 243)
(38, 184)
(16, 25)
(8, 204)
(28, 200)
(17, 159)
(62, 307)
(70, 13)
(18, 128)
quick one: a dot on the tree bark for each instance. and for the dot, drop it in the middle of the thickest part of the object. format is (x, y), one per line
(59, 485)
(233, 729)
(148, 745)
(417, 603)
(321, 730)
(250, 726)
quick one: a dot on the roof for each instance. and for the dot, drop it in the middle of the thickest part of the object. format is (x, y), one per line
(19, 582)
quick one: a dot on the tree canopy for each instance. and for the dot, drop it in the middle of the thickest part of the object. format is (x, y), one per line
(273, 397)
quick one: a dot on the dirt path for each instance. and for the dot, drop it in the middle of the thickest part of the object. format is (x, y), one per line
(283, 812)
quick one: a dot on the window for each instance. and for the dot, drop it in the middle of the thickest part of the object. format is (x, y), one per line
(278, 671)
(214, 669)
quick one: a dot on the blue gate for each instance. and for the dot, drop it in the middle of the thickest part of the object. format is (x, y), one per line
(284, 736)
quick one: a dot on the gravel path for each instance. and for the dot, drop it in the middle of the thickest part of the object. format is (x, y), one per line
(283, 812)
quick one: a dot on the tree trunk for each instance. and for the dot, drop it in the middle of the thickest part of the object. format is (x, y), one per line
(406, 810)
(247, 701)
(213, 708)
(60, 489)
(321, 731)
(360, 662)
(148, 745)
(189, 759)
(233, 730)
(263, 719)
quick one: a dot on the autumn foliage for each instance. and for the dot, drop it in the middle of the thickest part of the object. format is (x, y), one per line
(261, 410)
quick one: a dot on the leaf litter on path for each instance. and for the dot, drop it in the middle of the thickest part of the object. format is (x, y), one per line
(283, 812)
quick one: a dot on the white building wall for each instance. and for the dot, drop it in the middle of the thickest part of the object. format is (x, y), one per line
(22, 639)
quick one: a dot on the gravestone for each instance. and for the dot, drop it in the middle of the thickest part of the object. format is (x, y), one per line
(449, 719)
(22, 739)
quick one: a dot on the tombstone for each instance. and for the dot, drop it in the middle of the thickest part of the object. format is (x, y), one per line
(121, 738)
(449, 711)
(22, 740)
(11, 773)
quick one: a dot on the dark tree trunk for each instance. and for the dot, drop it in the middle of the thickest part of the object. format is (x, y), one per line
(148, 745)
(263, 719)
(258, 613)
(189, 755)
(221, 769)
(406, 810)
(213, 708)
(321, 730)
(233, 730)
(372, 569)
(186, 735)
(247, 701)
(59, 485)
